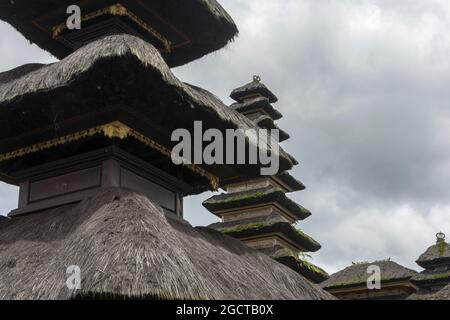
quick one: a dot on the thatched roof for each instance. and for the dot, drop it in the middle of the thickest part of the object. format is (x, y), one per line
(207, 26)
(127, 247)
(356, 274)
(257, 104)
(3, 217)
(251, 89)
(436, 254)
(265, 225)
(119, 71)
(256, 197)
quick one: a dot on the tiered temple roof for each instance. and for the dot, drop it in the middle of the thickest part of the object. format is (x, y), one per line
(436, 262)
(351, 283)
(258, 211)
(75, 134)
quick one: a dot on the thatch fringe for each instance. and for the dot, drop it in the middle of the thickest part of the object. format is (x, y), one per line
(127, 247)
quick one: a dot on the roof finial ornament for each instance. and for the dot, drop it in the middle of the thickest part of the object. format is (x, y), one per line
(256, 78)
(440, 237)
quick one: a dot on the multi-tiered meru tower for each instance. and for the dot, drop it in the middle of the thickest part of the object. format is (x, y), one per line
(88, 141)
(257, 211)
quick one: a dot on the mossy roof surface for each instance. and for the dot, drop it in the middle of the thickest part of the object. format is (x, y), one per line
(267, 225)
(357, 274)
(434, 254)
(432, 277)
(256, 197)
(305, 268)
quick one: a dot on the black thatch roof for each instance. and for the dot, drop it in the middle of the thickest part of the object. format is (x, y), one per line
(437, 276)
(3, 217)
(291, 182)
(205, 24)
(127, 247)
(356, 274)
(121, 72)
(261, 226)
(256, 197)
(257, 104)
(253, 88)
(436, 254)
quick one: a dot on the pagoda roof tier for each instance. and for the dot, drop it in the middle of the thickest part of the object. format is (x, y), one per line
(266, 228)
(266, 122)
(128, 248)
(255, 105)
(432, 278)
(182, 30)
(310, 271)
(116, 80)
(239, 200)
(290, 182)
(438, 254)
(356, 275)
(252, 90)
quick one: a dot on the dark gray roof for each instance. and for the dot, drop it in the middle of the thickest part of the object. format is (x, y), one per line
(435, 254)
(255, 197)
(356, 274)
(264, 225)
(292, 182)
(253, 88)
(256, 104)
(205, 23)
(127, 247)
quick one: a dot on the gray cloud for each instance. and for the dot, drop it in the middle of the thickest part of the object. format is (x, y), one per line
(364, 87)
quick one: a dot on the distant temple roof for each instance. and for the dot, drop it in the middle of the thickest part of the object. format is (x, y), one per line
(436, 254)
(252, 90)
(127, 247)
(182, 30)
(356, 274)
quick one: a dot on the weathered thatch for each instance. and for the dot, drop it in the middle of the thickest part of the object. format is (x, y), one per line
(204, 22)
(257, 104)
(436, 254)
(127, 247)
(266, 225)
(256, 197)
(3, 217)
(119, 71)
(357, 275)
(251, 89)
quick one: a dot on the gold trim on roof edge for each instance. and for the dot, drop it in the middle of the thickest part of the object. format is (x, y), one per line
(111, 130)
(117, 10)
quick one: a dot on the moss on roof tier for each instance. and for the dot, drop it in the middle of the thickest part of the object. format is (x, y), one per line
(256, 197)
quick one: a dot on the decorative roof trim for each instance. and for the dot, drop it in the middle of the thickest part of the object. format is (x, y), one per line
(111, 130)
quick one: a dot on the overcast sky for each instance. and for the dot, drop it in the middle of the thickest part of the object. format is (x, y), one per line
(364, 86)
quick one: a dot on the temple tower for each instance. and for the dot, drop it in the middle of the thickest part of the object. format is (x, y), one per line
(436, 262)
(257, 211)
